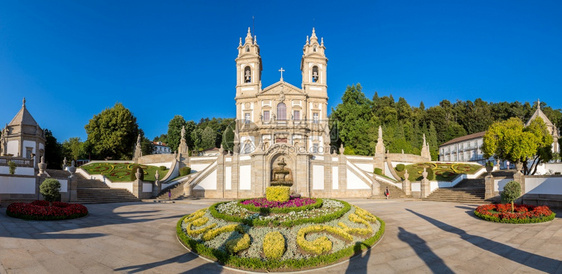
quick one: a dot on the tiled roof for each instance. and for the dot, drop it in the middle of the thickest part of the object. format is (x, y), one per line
(23, 118)
(465, 138)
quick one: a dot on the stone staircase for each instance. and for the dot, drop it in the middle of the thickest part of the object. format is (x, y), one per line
(395, 192)
(177, 190)
(93, 192)
(467, 191)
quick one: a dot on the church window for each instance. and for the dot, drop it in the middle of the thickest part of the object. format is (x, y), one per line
(266, 115)
(297, 115)
(247, 118)
(28, 152)
(315, 148)
(314, 49)
(247, 49)
(247, 75)
(281, 112)
(314, 74)
(315, 117)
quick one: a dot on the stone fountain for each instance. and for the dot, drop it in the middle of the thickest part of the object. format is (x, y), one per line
(281, 176)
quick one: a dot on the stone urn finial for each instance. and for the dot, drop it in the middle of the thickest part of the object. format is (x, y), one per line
(138, 174)
(424, 173)
(406, 175)
(42, 166)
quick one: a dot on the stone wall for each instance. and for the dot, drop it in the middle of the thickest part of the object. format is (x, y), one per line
(156, 158)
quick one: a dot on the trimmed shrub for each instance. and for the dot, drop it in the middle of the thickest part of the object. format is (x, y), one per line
(12, 167)
(274, 245)
(430, 174)
(238, 244)
(278, 193)
(50, 189)
(378, 171)
(185, 171)
(163, 168)
(134, 171)
(511, 191)
(400, 167)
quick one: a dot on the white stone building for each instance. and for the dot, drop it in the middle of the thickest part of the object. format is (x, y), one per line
(161, 148)
(468, 148)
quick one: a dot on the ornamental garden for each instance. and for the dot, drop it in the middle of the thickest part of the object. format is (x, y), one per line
(279, 232)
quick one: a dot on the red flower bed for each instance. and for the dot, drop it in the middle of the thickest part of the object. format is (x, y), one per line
(40, 210)
(522, 213)
(293, 204)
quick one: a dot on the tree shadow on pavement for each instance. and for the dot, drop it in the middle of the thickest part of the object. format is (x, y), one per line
(358, 263)
(424, 252)
(535, 261)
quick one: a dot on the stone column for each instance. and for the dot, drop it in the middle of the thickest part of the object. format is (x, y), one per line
(489, 186)
(342, 172)
(425, 188)
(406, 184)
(519, 177)
(72, 183)
(137, 185)
(220, 172)
(157, 187)
(187, 190)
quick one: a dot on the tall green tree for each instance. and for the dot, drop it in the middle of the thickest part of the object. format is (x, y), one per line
(53, 151)
(356, 124)
(208, 138)
(174, 132)
(510, 140)
(113, 133)
(73, 149)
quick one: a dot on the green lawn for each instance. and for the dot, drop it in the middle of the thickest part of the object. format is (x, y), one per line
(443, 171)
(121, 172)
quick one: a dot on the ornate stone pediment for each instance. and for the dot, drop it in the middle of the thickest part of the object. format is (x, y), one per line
(282, 87)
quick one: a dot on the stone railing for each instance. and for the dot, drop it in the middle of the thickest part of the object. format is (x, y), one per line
(20, 162)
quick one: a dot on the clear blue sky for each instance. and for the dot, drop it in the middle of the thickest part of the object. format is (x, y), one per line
(72, 59)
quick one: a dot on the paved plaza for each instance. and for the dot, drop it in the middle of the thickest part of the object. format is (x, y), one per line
(421, 237)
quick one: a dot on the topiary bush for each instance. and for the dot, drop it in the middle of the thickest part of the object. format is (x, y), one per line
(430, 174)
(400, 167)
(278, 193)
(134, 171)
(12, 167)
(378, 171)
(50, 190)
(185, 171)
(511, 191)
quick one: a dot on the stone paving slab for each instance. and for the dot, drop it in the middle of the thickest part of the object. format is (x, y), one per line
(421, 237)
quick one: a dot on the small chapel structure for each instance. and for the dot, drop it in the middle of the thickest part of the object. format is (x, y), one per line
(23, 138)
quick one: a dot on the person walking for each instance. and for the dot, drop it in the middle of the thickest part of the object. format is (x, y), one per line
(386, 193)
(169, 194)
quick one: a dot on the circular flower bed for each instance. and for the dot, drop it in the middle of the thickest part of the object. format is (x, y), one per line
(522, 214)
(247, 234)
(41, 210)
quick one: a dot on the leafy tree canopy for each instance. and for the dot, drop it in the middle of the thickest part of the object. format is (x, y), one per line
(113, 133)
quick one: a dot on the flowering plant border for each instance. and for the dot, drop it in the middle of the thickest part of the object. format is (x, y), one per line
(523, 214)
(41, 210)
(233, 260)
(251, 206)
(256, 222)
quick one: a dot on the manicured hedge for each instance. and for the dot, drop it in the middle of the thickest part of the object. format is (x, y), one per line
(233, 260)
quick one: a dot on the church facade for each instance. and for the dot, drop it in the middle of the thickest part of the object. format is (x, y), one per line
(282, 137)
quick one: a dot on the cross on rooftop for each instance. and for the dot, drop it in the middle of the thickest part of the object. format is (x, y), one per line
(281, 70)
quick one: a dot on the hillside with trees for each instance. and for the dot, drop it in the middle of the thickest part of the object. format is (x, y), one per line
(356, 119)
